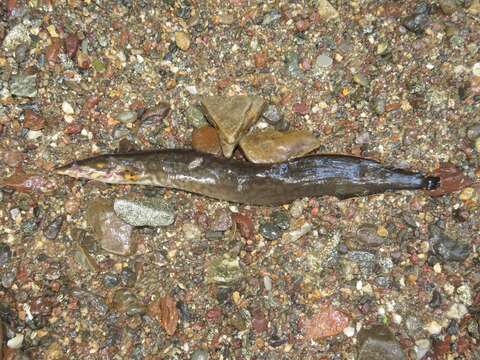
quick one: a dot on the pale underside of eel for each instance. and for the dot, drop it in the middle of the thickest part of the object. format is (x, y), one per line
(243, 182)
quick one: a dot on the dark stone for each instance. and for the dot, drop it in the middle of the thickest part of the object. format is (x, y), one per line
(281, 220)
(52, 230)
(453, 327)
(379, 343)
(111, 280)
(270, 231)
(272, 115)
(5, 254)
(436, 299)
(448, 249)
(367, 235)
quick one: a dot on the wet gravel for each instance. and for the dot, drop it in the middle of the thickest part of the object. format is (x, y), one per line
(388, 276)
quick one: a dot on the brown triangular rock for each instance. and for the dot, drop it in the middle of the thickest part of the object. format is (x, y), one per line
(271, 146)
(232, 116)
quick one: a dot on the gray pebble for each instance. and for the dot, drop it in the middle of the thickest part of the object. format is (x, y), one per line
(144, 212)
(270, 231)
(199, 354)
(126, 117)
(195, 116)
(272, 115)
(24, 85)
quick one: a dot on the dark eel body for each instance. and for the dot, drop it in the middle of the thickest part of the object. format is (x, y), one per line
(243, 182)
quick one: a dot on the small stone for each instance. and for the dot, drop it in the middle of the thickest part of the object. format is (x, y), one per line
(434, 328)
(24, 85)
(361, 79)
(270, 231)
(448, 249)
(18, 34)
(191, 231)
(267, 283)
(476, 69)
(222, 220)
(296, 234)
(245, 225)
(272, 146)
(296, 209)
(72, 43)
(33, 135)
(349, 331)
(67, 108)
(15, 342)
(281, 220)
(477, 144)
(416, 22)
(114, 234)
(436, 299)
(33, 121)
(326, 10)
(367, 235)
(52, 230)
(126, 117)
(323, 61)
(182, 40)
(325, 323)
(144, 212)
(125, 301)
(199, 354)
(195, 116)
(272, 115)
(379, 343)
(84, 259)
(224, 271)
(166, 312)
(206, 139)
(448, 6)
(21, 53)
(467, 193)
(232, 116)
(13, 158)
(422, 346)
(5, 254)
(457, 311)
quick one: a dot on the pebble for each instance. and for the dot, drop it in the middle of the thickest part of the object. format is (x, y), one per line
(21, 53)
(126, 117)
(327, 322)
(477, 144)
(199, 354)
(144, 212)
(323, 61)
(191, 231)
(33, 121)
(232, 116)
(18, 34)
(464, 294)
(195, 116)
(271, 17)
(296, 209)
(281, 219)
(24, 85)
(367, 235)
(422, 346)
(267, 283)
(378, 342)
(292, 64)
(225, 271)
(326, 10)
(270, 231)
(222, 220)
(111, 280)
(205, 139)
(182, 40)
(114, 234)
(433, 328)
(349, 331)
(125, 301)
(83, 258)
(476, 69)
(436, 300)
(457, 311)
(361, 79)
(448, 6)
(272, 115)
(5, 254)
(448, 249)
(296, 234)
(67, 108)
(15, 342)
(416, 22)
(272, 146)
(52, 230)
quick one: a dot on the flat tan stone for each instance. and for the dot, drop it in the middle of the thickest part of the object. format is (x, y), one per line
(269, 146)
(232, 116)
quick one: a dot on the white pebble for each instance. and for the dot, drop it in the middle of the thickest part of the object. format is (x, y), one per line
(397, 319)
(15, 342)
(267, 282)
(437, 268)
(434, 328)
(34, 134)
(476, 69)
(67, 108)
(457, 311)
(192, 89)
(349, 331)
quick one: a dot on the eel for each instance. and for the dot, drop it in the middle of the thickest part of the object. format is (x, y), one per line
(243, 182)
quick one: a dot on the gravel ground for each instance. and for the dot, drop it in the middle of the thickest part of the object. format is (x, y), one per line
(391, 276)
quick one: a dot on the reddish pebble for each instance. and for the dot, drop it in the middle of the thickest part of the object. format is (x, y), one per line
(305, 64)
(260, 60)
(12, 158)
(72, 129)
(451, 179)
(214, 313)
(91, 102)
(300, 108)
(52, 51)
(71, 45)
(33, 121)
(327, 322)
(206, 140)
(302, 25)
(259, 322)
(245, 225)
